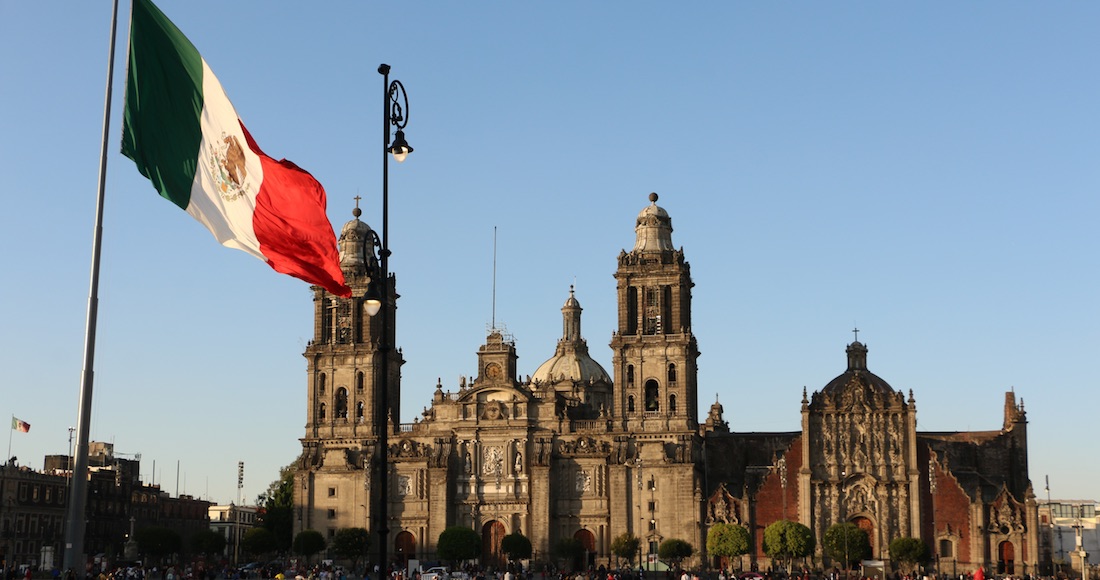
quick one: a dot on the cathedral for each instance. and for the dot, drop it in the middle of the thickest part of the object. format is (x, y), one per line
(573, 451)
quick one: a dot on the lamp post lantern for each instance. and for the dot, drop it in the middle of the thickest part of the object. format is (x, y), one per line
(379, 298)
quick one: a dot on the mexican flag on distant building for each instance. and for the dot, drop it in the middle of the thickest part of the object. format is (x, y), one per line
(184, 135)
(21, 426)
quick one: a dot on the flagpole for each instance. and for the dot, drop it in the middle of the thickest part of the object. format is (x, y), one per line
(78, 489)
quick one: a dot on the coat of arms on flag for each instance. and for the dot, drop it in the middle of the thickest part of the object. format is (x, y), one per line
(21, 426)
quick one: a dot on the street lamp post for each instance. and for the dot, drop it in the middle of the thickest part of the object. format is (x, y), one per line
(843, 474)
(932, 490)
(378, 301)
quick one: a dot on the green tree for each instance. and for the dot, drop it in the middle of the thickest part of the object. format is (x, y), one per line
(625, 546)
(516, 546)
(156, 542)
(277, 508)
(909, 552)
(786, 540)
(259, 541)
(570, 550)
(207, 542)
(675, 550)
(350, 544)
(308, 543)
(846, 543)
(458, 543)
(727, 541)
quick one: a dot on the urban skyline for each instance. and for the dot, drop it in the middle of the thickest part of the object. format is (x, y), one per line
(917, 172)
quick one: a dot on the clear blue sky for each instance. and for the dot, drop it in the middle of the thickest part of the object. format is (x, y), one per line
(925, 171)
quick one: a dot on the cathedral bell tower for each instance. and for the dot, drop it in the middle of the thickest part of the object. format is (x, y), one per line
(654, 351)
(343, 381)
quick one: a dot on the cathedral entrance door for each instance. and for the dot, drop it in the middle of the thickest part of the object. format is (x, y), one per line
(588, 544)
(1006, 558)
(868, 528)
(492, 533)
(404, 547)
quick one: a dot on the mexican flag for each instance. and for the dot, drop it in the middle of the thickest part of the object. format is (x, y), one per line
(21, 426)
(185, 136)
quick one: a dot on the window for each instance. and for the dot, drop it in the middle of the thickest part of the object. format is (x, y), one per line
(630, 375)
(630, 404)
(321, 384)
(947, 549)
(332, 532)
(652, 484)
(341, 403)
(321, 412)
(652, 506)
(652, 525)
(672, 374)
(359, 382)
(332, 492)
(652, 400)
(332, 513)
(672, 404)
(359, 410)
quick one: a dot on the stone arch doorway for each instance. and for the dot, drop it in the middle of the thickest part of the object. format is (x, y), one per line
(868, 528)
(492, 533)
(1006, 558)
(588, 545)
(404, 547)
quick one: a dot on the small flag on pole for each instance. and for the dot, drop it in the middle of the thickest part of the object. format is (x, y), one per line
(21, 426)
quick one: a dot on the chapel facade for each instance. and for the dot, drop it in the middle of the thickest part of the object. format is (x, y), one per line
(572, 451)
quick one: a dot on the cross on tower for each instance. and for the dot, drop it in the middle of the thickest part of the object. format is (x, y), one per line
(357, 198)
(856, 332)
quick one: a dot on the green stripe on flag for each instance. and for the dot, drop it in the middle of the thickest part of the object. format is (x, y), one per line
(164, 101)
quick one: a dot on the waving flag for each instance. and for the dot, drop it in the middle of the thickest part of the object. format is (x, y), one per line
(21, 426)
(182, 132)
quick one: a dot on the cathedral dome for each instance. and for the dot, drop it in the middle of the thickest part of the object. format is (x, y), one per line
(857, 373)
(571, 360)
(574, 366)
(653, 232)
(354, 237)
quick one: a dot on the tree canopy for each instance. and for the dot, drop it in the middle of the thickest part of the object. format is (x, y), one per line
(259, 541)
(207, 542)
(727, 540)
(846, 543)
(350, 544)
(458, 543)
(569, 549)
(157, 542)
(625, 546)
(308, 543)
(277, 508)
(786, 540)
(516, 546)
(675, 550)
(909, 552)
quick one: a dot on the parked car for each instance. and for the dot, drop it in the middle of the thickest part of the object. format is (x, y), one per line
(435, 573)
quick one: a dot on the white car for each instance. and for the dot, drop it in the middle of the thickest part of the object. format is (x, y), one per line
(435, 573)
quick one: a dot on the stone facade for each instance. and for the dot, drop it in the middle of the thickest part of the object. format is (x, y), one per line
(570, 452)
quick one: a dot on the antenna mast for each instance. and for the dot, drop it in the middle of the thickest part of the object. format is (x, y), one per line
(494, 323)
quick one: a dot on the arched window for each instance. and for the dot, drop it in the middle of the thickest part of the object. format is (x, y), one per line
(321, 384)
(630, 375)
(671, 374)
(630, 404)
(359, 411)
(321, 412)
(652, 397)
(359, 382)
(341, 403)
(672, 404)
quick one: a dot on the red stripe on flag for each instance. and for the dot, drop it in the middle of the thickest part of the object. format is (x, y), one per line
(291, 225)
